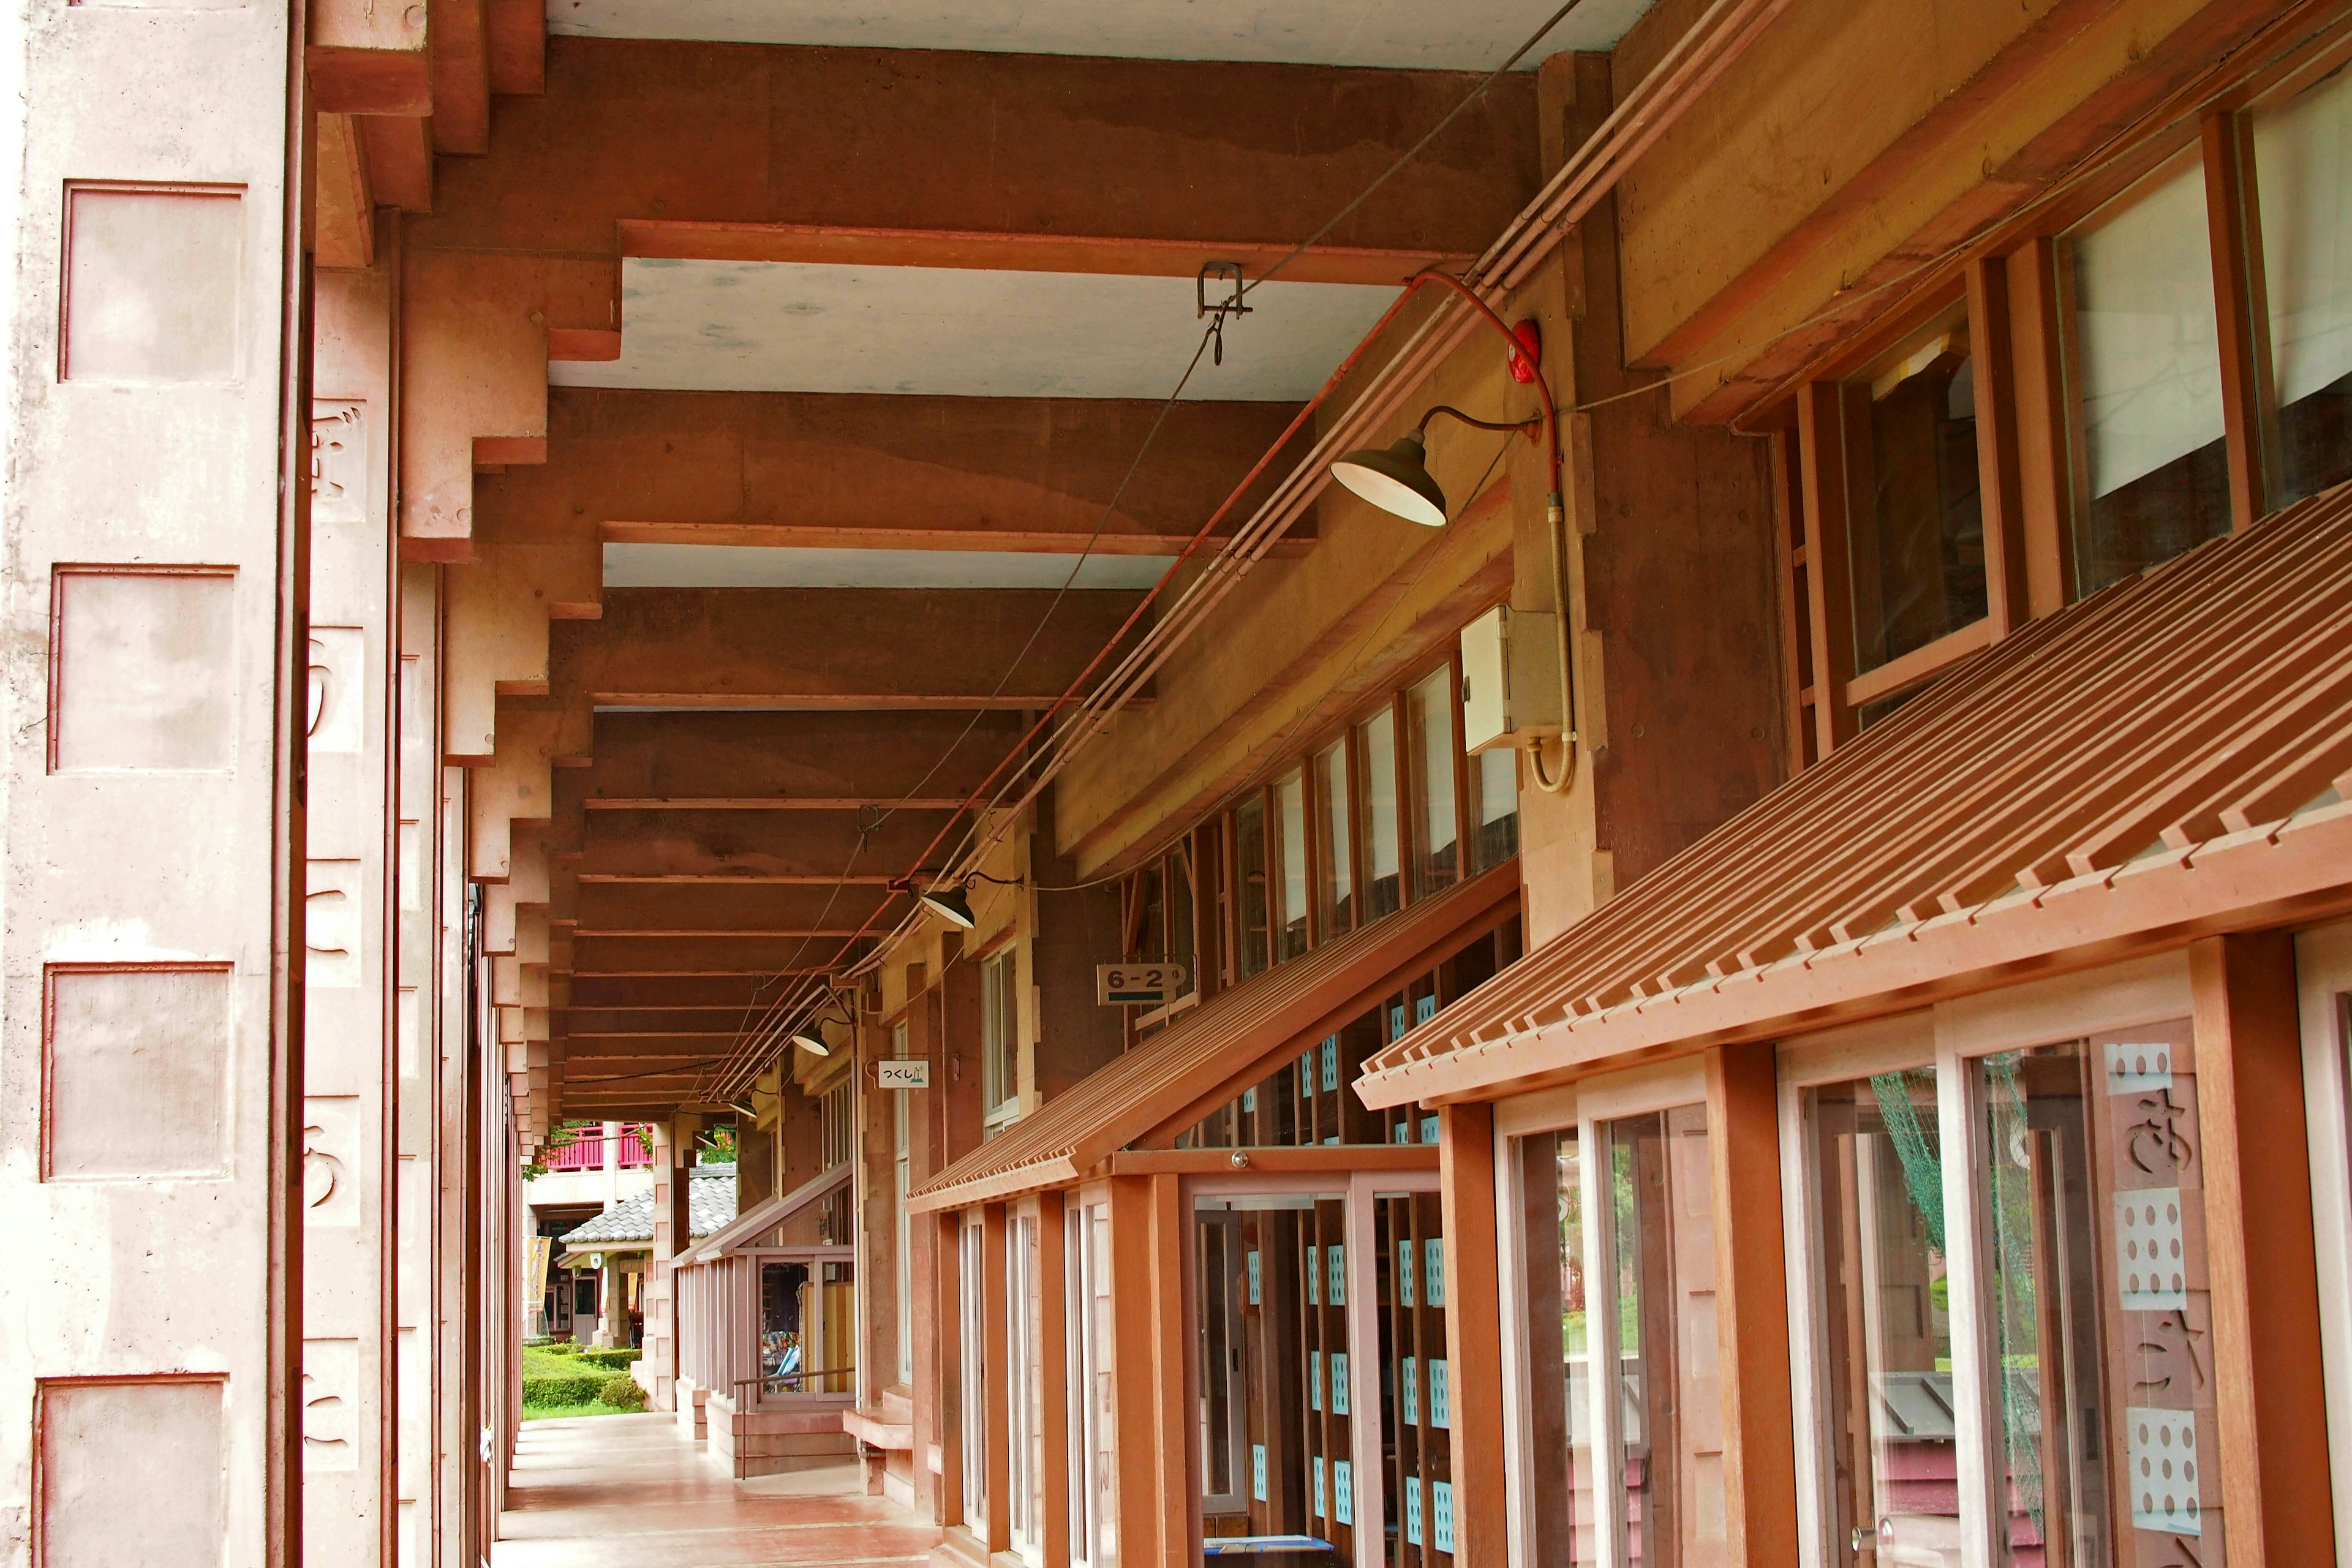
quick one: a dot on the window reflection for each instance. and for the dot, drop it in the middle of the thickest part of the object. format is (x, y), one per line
(2044, 1305)
(2145, 367)
(1495, 807)
(1914, 520)
(1336, 844)
(1290, 810)
(1566, 1491)
(2303, 161)
(1893, 1464)
(1376, 744)
(1429, 716)
(1662, 1276)
(1249, 855)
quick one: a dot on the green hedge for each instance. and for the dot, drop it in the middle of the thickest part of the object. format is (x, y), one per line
(622, 1394)
(574, 1388)
(611, 1361)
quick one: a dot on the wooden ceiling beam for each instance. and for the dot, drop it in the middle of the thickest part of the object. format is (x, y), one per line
(461, 76)
(602, 907)
(676, 146)
(857, 471)
(591, 994)
(831, 648)
(723, 846)
(833, 761)
(589, 1023)
(703, 954)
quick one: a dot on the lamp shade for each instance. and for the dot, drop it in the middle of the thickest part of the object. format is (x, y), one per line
(1396, 480)
(810, 1038)
(952, 904)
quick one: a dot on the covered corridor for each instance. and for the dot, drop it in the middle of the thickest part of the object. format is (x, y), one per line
(631, 1491)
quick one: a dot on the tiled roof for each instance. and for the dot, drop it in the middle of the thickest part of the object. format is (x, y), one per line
(1228, 1038)
(2165, 759)
(709, 1204)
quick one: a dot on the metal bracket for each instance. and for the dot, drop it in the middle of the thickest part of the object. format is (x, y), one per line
(1228, 273)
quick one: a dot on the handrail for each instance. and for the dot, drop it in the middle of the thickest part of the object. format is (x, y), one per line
(801, 1376)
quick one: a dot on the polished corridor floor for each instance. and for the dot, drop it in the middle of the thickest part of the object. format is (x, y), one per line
(629, 1491)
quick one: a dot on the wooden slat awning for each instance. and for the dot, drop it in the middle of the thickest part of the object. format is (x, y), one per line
(2164, 759)
(1225, 1045)
(764, 1217)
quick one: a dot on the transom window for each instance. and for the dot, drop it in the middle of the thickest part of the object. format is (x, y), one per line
(1382, 811)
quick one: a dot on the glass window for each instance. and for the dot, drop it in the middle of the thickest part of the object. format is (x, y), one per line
(1179, 912)
(1495, 807)
(1277, 1383)
(1336, 844)
(1256, 912)
(1564, 1495)
(1662, 1272)
(1000, 1039)
(2146, 376)
(1290, 809)
(1383, 852)
(2039, 1122)
(1093, 1479)
(1416, 1420)
(902, 1152)
(2303, 158)
(1024, 1437)
(971, 1382)
(1224, 1466)
(1429, 717)
(1885, 1328)
(783, 1314)
(1915, 521)
(1151, 916)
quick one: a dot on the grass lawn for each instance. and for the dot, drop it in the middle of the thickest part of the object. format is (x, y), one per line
(533, 1413)
(544, 1360)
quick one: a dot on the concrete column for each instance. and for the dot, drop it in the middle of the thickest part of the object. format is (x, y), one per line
(351, 1334)
(154, 519)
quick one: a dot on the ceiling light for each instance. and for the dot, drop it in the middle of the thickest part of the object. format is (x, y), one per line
(810, 1038)
(1396, 480)
(952, 903)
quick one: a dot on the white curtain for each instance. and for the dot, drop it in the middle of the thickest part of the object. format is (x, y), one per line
(2150, 366)
(2302, 155)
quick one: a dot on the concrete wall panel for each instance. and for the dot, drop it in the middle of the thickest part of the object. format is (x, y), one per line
(131, 1470)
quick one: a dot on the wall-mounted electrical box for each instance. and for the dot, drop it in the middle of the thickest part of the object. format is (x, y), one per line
(1510, 678)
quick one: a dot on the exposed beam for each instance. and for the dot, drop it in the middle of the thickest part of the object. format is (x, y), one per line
(727, 879)
(515, 32)
(832, 648)
(604, 908)
(989, 251)
(461, 76)
(700, 954)
(366, 58)
(344, 210)
(588, 1023)
(833, 761)
(697, 991)
(846, 471)
(399, 159)
(726, 846)
(1025, 146)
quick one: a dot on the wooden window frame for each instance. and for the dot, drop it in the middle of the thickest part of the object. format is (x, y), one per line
(2032, 467)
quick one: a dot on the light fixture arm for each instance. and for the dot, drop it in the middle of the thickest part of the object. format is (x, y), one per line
(1554, 515)
(1526, 426)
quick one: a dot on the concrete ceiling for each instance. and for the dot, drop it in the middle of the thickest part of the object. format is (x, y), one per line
(767, 326)
(756, 566)
(1466, 35)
